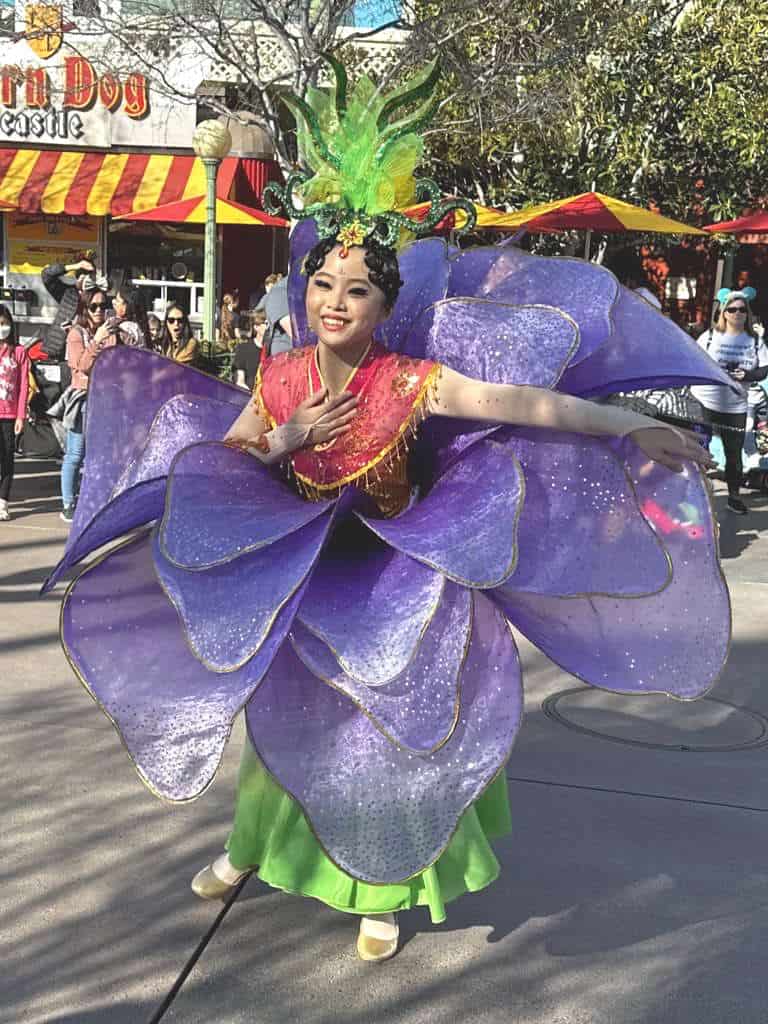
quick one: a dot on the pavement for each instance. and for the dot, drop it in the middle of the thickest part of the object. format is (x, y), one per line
(634, 887)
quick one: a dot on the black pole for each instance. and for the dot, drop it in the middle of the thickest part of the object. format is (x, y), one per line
(186, 970)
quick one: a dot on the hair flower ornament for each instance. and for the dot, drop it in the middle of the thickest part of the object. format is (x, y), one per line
(352, 234)
(363, 160)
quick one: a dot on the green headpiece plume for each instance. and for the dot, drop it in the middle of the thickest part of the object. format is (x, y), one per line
(363, 158)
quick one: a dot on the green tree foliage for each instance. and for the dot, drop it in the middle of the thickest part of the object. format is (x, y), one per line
(650, 100)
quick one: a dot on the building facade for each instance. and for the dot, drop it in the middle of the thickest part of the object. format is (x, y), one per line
(81, 147)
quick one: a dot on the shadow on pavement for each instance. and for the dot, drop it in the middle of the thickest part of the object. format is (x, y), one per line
(739, 533)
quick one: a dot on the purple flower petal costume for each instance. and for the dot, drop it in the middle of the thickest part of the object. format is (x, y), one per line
(379, 678)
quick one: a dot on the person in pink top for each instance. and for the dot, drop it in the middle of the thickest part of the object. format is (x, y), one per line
(14, 389)
(89, 335)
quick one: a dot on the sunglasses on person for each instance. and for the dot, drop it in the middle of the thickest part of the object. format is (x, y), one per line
(95, 306)
(175, 319)
(735, 309)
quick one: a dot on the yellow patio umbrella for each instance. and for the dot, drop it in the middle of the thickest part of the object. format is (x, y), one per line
(592, 211)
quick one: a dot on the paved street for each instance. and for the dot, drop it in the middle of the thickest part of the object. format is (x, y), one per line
(634, 887)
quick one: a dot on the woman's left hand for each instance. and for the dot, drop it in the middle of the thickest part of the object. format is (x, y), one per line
(18, 426)
(671, 447)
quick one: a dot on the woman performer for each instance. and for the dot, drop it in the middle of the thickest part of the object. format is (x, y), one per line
(365, 631)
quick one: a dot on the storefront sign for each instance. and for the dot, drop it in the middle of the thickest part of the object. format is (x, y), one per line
(25, 126)
(81, 90)
(35, 240)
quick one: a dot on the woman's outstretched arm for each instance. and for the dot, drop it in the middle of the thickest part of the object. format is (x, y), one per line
(524, 406)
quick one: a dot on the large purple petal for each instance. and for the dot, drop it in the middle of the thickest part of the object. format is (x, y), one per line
(128, 387)
(228, 610)
(182, 421)
(581, 531)
(424, 270)
(303, 237)
(466, 527)
(419, 709)
(223, 503)
(644, 350)
(674, 642)
(125, 643)
(383, 814)
(582, 290)
(371, 606)
(134, 507)
(138, 494)
(500, 343)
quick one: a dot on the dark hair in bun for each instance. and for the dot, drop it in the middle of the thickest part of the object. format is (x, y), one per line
(383, 268)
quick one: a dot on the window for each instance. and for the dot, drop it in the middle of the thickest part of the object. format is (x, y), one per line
(86, 8)
(7, 20)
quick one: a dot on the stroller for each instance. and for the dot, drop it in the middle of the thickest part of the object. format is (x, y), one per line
(43, 437)
(756, 448)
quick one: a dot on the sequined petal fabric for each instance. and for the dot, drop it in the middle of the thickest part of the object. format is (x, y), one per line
(417, 709)
(228, 609)
(126, 644)
(371, 606)
(129, 389)
(374, 695)
(501, 343)
(581, 528)
(645, 350)
(181, 421)
(135, 507)
(383, 813)
(466, 526)
(673, 642)
(222, 503)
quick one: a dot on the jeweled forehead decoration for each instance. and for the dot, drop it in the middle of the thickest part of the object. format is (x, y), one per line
(363, 161)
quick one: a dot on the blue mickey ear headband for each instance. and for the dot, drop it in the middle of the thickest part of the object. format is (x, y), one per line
(748, 294)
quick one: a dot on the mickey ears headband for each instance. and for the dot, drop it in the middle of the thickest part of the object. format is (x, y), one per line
(748, 294)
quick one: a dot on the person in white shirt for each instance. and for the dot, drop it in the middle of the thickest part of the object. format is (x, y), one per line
(733, 344)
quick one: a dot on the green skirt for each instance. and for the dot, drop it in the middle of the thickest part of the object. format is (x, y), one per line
(271, 834)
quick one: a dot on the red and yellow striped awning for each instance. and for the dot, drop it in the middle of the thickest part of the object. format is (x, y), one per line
(56, 181)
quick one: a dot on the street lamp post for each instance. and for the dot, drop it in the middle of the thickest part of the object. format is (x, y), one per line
(211, 142)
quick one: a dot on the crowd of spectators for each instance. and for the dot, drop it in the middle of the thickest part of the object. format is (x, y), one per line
(53, 386)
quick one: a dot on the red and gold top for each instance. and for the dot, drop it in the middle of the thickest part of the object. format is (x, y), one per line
(393, 391)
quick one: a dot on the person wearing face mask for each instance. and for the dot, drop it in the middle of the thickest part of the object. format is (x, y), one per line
(14, 388)
(734, 345)
(178, 342)
(85, 341)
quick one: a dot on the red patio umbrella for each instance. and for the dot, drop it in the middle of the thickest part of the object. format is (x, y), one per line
(754, 223)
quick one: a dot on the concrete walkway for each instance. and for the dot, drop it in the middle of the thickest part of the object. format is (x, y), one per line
(634, 889)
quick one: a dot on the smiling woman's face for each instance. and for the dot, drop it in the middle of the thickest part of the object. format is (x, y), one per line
(343, 306)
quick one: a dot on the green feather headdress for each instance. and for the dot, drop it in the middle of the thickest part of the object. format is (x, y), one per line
(363, 153)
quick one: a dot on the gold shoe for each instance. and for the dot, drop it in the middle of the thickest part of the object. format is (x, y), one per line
(208, 886)
(378, 937)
